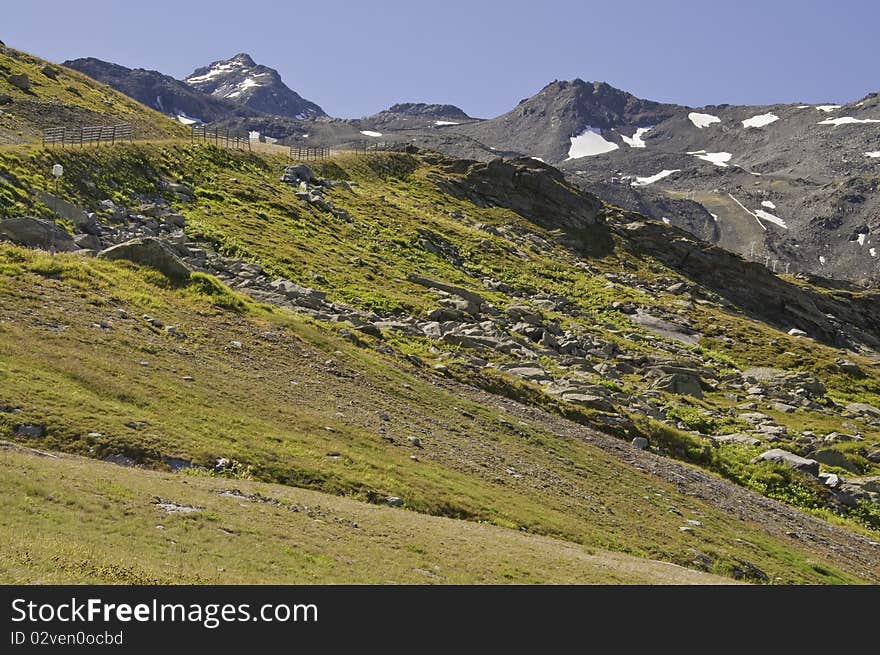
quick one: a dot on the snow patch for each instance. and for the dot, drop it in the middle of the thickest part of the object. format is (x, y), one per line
(847, 120)
(538, 159)
(768, 204)
(761, 120)
(438, 123)
(702, 120)
(861, 239)
(645, 181)
(636, 141)
(666, 220)
(588, 143)
(767, 216)
(371, 133)
(822, 259)
(714, 216)
(873, 252)
(717, 158)
(216, 71)
(874, 155)
(187, 120)
(827, 108)
(253, 135)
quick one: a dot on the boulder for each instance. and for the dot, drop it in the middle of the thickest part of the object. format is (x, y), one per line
(588, 400)
(831, 457)
(87, 241)
(781, 380)
(640, 443)
(809, 466)
(36, 233)
(20, 81)
(863, 409)
(152, 252)
(679, 383)
(299, 173)
(474, 301)
(80, 218)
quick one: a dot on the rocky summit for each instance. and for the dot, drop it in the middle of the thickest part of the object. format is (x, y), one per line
(571, 344)
(258, 87)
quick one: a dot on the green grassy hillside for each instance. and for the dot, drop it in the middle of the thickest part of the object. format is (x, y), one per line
(58, 97)
(305, 403)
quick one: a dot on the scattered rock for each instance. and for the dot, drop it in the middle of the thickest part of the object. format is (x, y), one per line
(152, 252)
(809, 466)
(30, 430)
(640, 443)
(394, 501)
(679, 383)
(20, 81)
(36, 233)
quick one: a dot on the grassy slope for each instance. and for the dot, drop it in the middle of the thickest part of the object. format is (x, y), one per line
(71, 99)
(342, 429)
(73, 519)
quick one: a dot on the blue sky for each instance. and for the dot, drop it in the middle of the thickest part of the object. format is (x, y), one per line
(355, 58)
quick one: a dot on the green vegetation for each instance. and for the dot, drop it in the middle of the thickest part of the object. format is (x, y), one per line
(59, 97)
(298, 405)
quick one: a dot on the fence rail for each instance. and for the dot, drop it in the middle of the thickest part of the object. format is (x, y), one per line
(221, 138)
(299, 153)
(374, 146)
(91, 134)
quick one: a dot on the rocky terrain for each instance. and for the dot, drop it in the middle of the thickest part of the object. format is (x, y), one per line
(791, 186)
(479, 339)
(257, 87)
(162, 92)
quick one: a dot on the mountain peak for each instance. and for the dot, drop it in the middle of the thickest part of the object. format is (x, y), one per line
(243, 81)
(244, 58)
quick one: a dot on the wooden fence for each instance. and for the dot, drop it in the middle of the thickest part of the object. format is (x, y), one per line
(298, 153)
(93, 134)
(221, 137)
(374, 146)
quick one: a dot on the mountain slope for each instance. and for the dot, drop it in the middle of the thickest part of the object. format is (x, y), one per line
(258, 87)
(543, 125)
(482, 342)
(45, 95)
(160, 92)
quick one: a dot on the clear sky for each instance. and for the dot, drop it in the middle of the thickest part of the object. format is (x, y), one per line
(355, 58)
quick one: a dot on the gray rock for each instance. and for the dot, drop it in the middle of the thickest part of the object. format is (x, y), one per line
(809, 466)
(849, 367)
(679, 383)
(80, 218)
(738, 438)
(415, 441)
(784, 408)
(36, 233)
(20, 81)
(152, 252)
(588, 400)
(87, 241)
(831, 457)
(475, 301)
(533, 373)
(863, 409)
(394, 501)
(30, 430)
(640, 443)
(299, 173)
(874, 457)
